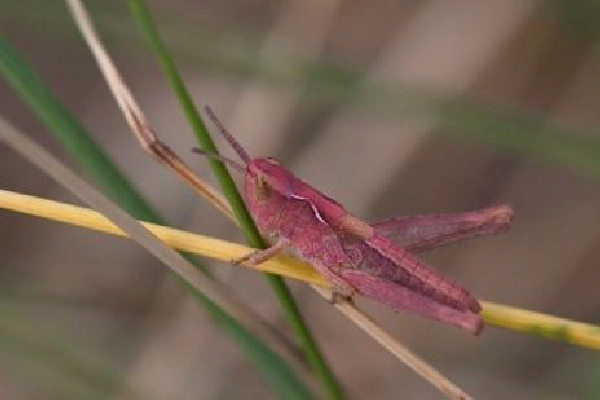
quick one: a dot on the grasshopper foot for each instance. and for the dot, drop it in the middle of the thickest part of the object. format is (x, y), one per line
(260, 256)
(248, 257)
(342, 295)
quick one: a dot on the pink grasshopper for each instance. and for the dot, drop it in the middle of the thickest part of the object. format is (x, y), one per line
(358, 257)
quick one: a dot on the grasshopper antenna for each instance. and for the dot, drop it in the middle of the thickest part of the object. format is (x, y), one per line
(234, 164)
(230, 139)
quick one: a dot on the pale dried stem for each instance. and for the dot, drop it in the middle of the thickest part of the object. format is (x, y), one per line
(136, 118)
(159, 150)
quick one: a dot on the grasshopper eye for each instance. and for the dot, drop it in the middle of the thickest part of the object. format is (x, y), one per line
(262, 186)
(261, 180)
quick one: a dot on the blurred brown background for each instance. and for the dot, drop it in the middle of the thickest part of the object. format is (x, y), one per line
(105, 294)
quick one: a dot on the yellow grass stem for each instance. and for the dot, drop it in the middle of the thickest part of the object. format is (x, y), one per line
(536, 323)
(178, 239)
(577, 333)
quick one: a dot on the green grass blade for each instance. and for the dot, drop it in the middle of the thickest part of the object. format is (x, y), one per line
(97, 164)
(311, 349)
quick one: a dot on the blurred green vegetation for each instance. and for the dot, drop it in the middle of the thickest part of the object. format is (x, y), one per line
(235, 55)
(45, 360)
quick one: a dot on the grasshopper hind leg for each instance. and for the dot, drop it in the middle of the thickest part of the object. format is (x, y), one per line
(401, 298)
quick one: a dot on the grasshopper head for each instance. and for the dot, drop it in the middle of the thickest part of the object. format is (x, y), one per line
(267, 174)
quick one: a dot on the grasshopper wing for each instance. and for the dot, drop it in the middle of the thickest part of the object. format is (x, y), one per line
(424, 232)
